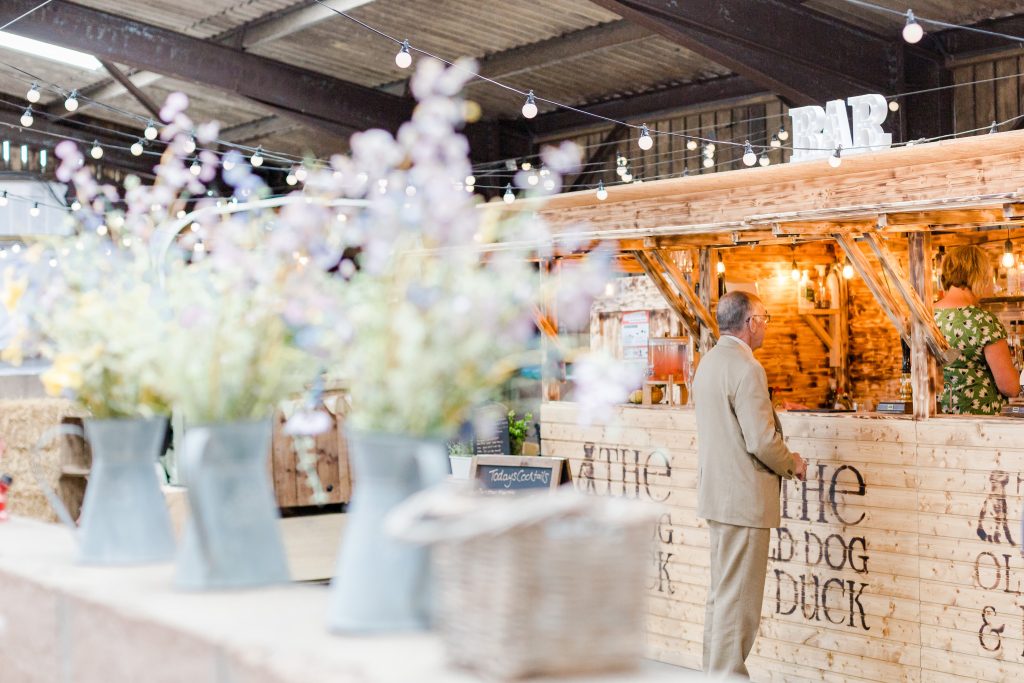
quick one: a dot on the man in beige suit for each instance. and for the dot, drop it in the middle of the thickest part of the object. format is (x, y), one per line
(742, 459)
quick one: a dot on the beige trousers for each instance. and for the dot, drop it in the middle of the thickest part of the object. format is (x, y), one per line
(739, 562)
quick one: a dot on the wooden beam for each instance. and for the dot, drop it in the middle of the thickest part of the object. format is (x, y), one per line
(331, 104)
(708, 295)
(559, 123)
(673, 299)
(145, 100)
(756, 39)
(287, 22)
(677, 278)
(891, 307)
(258, 128)
(919, 311)
(924, 370)
(819, 330)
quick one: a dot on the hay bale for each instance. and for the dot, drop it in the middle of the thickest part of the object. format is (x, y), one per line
(22, 423)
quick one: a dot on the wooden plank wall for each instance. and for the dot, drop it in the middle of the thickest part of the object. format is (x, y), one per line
(898, 560)
(976, 106)
(755, 121)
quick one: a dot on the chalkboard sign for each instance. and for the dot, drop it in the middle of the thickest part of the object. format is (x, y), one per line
(508, 474)
(498, 444)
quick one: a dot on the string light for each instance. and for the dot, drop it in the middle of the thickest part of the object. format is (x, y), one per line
(151, 132)
(196, 168)
(96, 152)
(16, 248)
(33, 93)
(34, 211)
(101, 230)
(894, 105)
(470, 180)
(794, 271)
(403, 59)
(776, 143)
(76, 205)
(136, 148)
(291, 179)
(257, 157)
(509, 195)
(301, 174)
(645, 141)
(708, 162)
(691, 144)
(71, 103)
(227, 164)
(190, 145)
(994, 128)
(720, 267)
(710, 148)
(532, 179)
(835, 159)
(847, 270)
(783, 133)
(1007, 260)
(26, 118)
(620, 164)
(602, 194)
(749, 157)
(912, 31)
(530, 108)
(764, 160)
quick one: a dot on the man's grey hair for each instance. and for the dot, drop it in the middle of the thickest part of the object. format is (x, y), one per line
(733, 310)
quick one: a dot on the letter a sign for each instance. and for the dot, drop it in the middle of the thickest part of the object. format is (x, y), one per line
(818, 131)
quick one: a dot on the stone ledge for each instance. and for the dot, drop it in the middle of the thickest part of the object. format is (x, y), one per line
(65, 623)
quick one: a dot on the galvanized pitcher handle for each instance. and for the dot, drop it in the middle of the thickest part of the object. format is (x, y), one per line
(51, 496)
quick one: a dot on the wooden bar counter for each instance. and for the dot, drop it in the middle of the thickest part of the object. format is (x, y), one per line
(899, 559)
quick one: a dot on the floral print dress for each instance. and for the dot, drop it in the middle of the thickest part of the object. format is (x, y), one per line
(969, 387)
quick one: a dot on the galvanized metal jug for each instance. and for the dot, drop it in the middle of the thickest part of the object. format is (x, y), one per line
(381, 583)
(124, 517)
(232, 537)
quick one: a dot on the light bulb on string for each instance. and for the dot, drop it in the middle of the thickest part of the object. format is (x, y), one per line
(894, 105)
(602, 194)
(709, 162)
(26, 118)
(532, 179)
(709, 148)
(403, 58)
(526, 166)
(749, 157)
(645, 141)
(720, 267)
(257, 157)
(227, 164)
(783, 133)
(836, 159)
(151, 132)
(1007, 259)
(912, 31)
(136, 148)
(96, 152)
(530, 108)
(16, 248)
(994, 128)
(764, 160)
(509, 195)
(776, 143)
(301, 173)
(76, 205)
(691, 144)
(190, 144)
(847, 270)
(627, 177)
(34, 211)
(71, 103)
(33, 93)
(794, 272)
(291, 179)
(470, 180)
(196, 168)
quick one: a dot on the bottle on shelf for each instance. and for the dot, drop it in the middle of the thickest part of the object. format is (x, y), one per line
(821, 296)
(805, 293)
(1013, 284)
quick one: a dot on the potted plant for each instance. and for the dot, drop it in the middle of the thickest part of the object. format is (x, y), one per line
(460, 456)
(518, 430)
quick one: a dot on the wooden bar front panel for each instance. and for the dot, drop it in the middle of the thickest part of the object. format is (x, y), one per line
(898, 560)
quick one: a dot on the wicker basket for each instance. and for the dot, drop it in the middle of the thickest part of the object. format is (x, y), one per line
(537, 584)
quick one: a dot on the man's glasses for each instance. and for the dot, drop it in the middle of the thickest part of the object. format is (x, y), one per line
(767, 318)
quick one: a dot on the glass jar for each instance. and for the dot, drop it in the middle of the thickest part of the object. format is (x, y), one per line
(669, 356)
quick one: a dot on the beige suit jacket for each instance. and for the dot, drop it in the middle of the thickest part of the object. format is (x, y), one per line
(742, 456)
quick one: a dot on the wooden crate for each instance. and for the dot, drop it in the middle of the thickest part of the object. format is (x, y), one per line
(331, 448)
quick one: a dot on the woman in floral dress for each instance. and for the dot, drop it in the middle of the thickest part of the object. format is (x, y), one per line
(977, 381)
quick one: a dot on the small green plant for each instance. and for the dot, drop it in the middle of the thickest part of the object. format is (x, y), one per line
(517, 430)
(458, 448)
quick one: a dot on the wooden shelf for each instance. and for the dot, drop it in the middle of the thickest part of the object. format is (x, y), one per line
(820, 311)
(74, 470)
